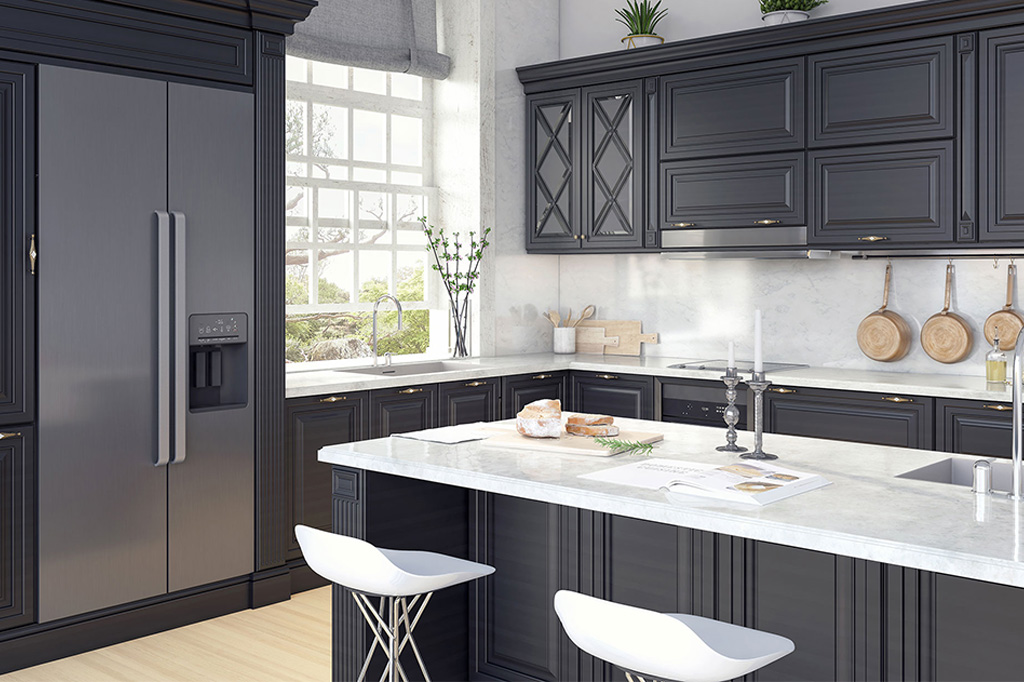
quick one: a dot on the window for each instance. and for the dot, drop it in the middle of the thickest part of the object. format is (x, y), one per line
(359, 175)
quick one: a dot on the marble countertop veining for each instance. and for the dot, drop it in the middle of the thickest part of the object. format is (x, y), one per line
(320, 382)
(866, 513)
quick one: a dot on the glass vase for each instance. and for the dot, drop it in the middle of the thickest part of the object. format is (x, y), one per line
(460, 331)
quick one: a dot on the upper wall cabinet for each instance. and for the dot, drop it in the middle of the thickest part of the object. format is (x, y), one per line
(553, 151)
(882, 94)
(734, 110)
(1002, 135)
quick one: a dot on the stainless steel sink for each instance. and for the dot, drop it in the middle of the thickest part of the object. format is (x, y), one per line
(412, 368)
(960, 471)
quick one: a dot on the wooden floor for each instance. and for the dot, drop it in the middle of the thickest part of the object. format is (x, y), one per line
(286, 641)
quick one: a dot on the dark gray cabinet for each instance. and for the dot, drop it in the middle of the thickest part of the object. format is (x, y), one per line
(878, 196)
(553, 176)
(17, 223)
(466, 402)
(883, 93)
(312, 424)
(522, 389)
(17, 527)
(904, 421)
(974, 428)
(742, 109)
(1001, 148)
(399, 410)
(618, 395)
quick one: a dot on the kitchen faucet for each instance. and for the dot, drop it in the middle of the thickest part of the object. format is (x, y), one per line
(376, 305)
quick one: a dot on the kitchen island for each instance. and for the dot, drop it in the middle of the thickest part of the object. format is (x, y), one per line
(873, 577)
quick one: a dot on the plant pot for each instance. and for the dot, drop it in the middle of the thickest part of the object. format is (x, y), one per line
(785, 16)
(642, 41)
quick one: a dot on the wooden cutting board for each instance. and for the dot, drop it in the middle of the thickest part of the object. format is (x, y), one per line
(567, 444)
(628, 332)
(593, 340)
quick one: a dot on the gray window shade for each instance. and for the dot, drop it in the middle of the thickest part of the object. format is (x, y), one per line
(387, 35)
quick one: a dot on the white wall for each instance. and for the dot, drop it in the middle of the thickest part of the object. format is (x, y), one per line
(590, 26)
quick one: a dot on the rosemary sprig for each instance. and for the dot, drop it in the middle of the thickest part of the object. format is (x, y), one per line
(635, 447)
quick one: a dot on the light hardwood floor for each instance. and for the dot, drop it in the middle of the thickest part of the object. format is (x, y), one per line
(285, 641)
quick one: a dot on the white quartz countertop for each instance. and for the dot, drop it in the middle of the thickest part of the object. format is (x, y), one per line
(866, 513)
(321, 382)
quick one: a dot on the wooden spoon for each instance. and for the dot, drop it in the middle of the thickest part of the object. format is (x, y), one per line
(552, 317)
(587, 313)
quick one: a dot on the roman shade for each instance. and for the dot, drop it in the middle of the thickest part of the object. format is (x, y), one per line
(387, 35)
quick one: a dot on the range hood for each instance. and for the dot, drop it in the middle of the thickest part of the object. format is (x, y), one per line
(748, 243)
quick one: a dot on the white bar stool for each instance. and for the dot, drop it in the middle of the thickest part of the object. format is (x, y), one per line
(670, 647)
(391, 575)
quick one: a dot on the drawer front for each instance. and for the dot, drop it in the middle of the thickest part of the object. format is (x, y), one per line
(468, 401)
(883, 94)
(734, 110)
(754, 192)
(402, 410)
(617, 395)
(974, 428)
(873, 197)
(519, 391)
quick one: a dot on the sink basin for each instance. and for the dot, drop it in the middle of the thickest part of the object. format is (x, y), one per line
(411, 368)
(960, 471)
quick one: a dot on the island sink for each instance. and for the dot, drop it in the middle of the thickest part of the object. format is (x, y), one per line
(401, 370)
(960, 471)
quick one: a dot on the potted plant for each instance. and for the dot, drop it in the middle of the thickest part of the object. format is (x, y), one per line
(640, 17)
(787, 11)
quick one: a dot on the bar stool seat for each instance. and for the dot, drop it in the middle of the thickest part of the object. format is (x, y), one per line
(394, 576)
(668, 647)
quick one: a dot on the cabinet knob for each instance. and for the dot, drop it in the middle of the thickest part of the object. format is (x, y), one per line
(767, 221)
(542, 376)
(998, 408)
(609, 377)
(474, 384)
(333, 399)
(684, 224)
(872, 239)
(10, 435)
(897, 399)
(776, 389)
(411, 390)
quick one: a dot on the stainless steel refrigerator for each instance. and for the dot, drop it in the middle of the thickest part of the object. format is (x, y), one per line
(146, 269)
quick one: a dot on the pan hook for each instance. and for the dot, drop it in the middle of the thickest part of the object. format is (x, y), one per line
(995, 263)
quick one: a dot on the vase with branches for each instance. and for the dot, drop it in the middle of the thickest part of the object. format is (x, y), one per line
(458, 263)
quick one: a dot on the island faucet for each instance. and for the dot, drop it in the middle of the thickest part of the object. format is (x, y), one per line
(1017, 492)
(375, 307)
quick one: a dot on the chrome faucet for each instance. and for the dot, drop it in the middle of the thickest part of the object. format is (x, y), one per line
(375, 307)
(1017, 492)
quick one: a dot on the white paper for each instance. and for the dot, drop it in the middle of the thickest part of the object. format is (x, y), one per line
(650, 473)
(450, 434)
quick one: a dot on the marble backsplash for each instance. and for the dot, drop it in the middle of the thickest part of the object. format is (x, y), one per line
(811, 308)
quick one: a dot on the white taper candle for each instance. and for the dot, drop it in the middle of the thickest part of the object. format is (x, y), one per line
(758, 356)
(732, 355)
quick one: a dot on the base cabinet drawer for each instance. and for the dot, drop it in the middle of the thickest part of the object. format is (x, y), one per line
(400, 410)
(969, 427)
(522, 389)
(466, 402)
(879, 418)
(617, 395)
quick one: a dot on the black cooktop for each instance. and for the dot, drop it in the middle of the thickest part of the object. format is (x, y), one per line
(741, 365)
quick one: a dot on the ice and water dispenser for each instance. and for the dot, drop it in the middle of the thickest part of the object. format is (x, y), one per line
(218, 376)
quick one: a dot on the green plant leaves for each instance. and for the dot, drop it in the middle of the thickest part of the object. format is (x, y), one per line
(799, 5)
(640, 16)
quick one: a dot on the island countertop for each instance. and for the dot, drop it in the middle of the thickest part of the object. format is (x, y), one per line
(867, 512)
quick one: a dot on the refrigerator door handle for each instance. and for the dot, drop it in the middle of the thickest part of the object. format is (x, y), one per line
(180, 338)
(163, 338)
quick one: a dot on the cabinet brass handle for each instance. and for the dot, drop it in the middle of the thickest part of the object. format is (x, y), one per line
(411, 390)
(333, 399)
(33, 254)
(897, 399)
(542, 376)
(609, 377)
(782, 390)
(474, 384)
(767, 221)
(872, 239)
(10, 435)
(684, 224)
(998, 408)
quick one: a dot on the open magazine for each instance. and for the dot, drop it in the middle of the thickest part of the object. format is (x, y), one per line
(757, 483)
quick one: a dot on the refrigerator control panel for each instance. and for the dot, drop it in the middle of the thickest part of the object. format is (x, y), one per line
(217, 329)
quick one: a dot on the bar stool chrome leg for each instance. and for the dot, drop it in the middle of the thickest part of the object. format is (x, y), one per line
(388, 635)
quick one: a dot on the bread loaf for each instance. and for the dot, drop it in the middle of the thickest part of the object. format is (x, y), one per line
(603, 430)
(540, 419)
(590, 419)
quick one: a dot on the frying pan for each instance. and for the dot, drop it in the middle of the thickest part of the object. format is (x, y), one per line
(1007, 320)
(884, 335)
(946, 336)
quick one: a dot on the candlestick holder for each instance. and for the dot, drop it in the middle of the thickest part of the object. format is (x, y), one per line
(758, 384)
(732, 413)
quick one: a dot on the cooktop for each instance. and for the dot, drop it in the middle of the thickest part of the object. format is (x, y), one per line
(741, 365)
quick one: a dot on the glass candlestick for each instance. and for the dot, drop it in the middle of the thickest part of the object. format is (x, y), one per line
(758, 384)
(732, 413)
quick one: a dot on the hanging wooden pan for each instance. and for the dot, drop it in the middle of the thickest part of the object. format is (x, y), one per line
(946, 336)
(1007, 321)
(884, 335)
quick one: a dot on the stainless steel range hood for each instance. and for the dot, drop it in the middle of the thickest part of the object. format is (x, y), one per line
(739, 243)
